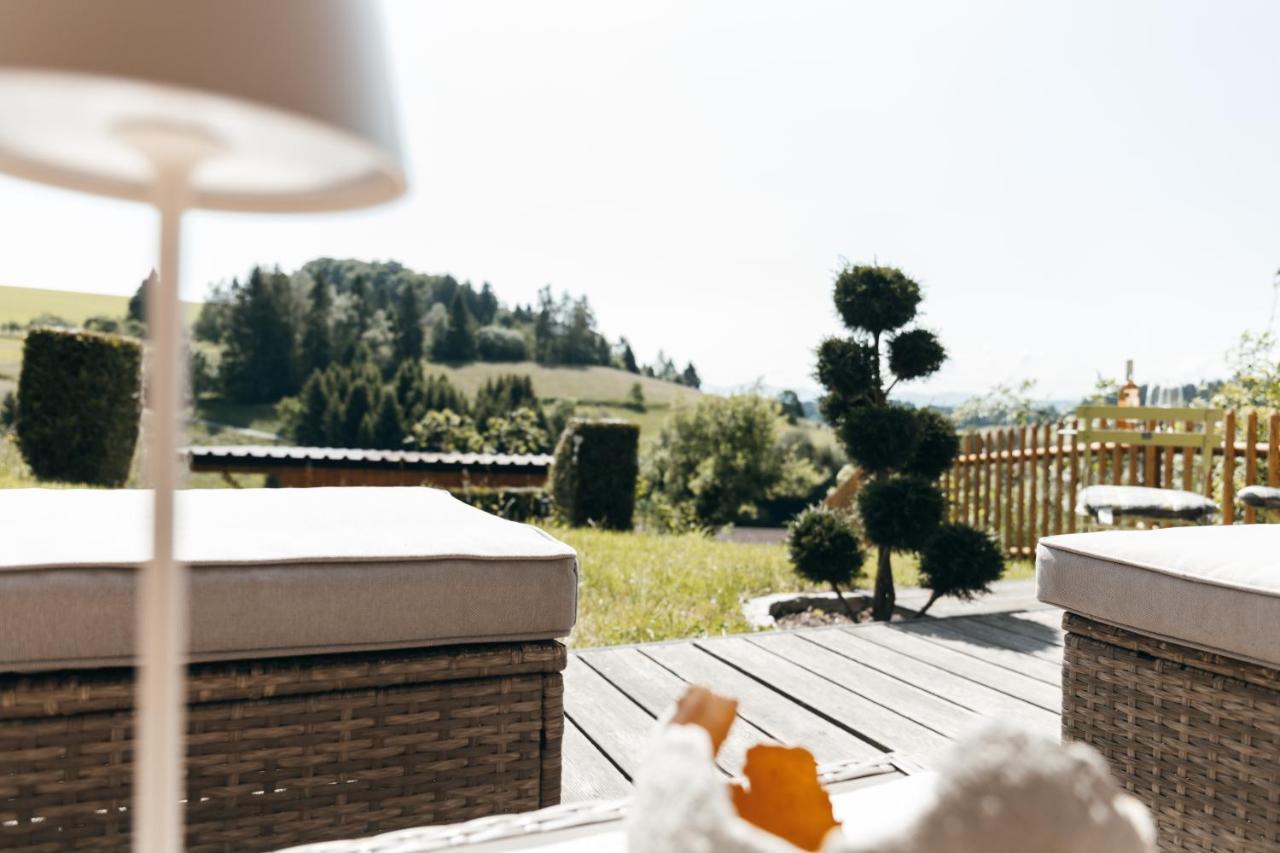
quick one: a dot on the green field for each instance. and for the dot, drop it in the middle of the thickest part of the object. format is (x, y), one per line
(23, 304)
(594, 384)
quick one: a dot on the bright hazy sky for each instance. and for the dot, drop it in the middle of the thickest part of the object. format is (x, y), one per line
(1073, 183)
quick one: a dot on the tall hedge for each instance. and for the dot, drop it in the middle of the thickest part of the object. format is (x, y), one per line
(593, 480)
(79, 399)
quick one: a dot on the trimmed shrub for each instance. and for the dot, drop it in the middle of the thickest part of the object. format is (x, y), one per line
(593, 480)
(513, 504)
(879, 439)
(900, 513)
(79, 399)
(961, 561)
(938, 445)
(825, 549)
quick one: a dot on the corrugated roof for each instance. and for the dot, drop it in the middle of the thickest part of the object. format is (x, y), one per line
(207, 453)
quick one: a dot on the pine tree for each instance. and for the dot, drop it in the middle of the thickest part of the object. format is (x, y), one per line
(690, 376)
(388, 425)
(359, 406)
(629, 358)
(259, 364)
(137, 309)
(458, 343)
(312, 427)
(408, 343)
(317, 337)
(487, 305)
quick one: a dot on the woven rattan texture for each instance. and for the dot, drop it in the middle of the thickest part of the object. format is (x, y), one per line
(1194, 735)
(288, 751)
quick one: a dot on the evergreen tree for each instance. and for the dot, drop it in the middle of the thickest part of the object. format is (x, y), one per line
(629, 358)
(408, 329)
(902, 450)
(388, 425)
(458, 343)
(486, 305)
(259, 364)
(317, 337)
(358, 407)
(690, 376)
(137, 309)
(312, 428)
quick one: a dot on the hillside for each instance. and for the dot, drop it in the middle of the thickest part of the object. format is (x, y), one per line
(591, 384)
(23, 304)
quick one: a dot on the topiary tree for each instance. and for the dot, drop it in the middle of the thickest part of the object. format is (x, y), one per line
(825, 549)
(902, 451)
(79, 400)
(961, 561)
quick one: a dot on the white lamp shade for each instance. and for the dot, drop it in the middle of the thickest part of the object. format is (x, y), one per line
(294, 92)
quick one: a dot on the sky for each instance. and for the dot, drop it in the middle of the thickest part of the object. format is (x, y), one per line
(1072, 183)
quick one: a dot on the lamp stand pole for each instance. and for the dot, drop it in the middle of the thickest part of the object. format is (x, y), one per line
(159, 780)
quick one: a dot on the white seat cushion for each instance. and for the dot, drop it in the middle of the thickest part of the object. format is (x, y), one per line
(276, 572)
(1215, 588)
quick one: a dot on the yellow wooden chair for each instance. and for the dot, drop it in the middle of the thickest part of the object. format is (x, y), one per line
(1152, 428)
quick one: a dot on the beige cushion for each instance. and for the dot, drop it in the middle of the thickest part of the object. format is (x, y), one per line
(276, 572)
(1215, 588)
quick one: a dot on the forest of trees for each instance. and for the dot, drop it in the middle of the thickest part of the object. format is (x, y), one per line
(276, 331)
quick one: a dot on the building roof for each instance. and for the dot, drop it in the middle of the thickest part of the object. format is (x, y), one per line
(274, 455)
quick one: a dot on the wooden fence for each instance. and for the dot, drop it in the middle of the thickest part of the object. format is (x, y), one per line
(1021, 483)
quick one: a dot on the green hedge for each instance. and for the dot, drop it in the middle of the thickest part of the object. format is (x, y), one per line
(593, 480)
(79, 399)
(513, 504)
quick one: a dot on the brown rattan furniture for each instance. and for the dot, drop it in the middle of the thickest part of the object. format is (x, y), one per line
(1170, 670)
(291, 750)
(387, 661)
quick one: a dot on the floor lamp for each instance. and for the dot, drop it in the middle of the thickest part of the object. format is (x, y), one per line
(244, 105)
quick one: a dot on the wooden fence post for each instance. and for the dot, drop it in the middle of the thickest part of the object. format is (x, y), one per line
(1229, 468)
(1250, 461)
(1273, 450)
(1057, 476)
(1075, 473)
(1008, 489)
(966, 477)
(1032, 477)
(1046, 484)
(1022, 488)
(997, 473)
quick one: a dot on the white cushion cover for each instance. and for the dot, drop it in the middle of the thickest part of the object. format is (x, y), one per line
(1216, 588)
(276, 572)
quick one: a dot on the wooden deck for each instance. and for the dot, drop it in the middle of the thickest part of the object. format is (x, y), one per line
(848, 693)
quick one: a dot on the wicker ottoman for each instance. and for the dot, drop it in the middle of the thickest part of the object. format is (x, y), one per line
(363, 660)
(1172, 670)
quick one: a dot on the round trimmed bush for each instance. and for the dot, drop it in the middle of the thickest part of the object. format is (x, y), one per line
(879, 439)
(825, 549)
(938, 445)
(876, 299)
(900, 513)
(79, 400)
(915, 353)
(959, 560)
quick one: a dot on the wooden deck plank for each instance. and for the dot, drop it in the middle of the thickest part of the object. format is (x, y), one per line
(769, 710)
(1046, 634)
(943, 633)
(890, 729)
(984, 630)
(979, 698)
(928, 709)
(587, 774)
(656, 689)
(1050, 618)
(999, 678)
(618, 726)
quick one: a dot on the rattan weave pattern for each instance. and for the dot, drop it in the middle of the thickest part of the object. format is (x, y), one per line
(286, 751)
(1194, 735)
